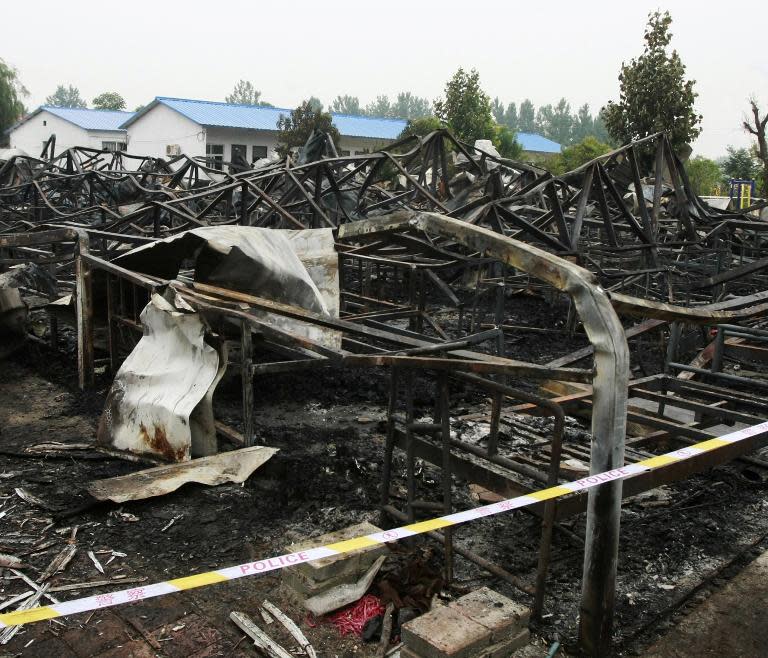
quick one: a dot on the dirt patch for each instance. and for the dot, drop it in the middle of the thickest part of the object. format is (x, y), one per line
(329, 427)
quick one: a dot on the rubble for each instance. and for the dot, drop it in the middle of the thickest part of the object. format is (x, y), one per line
(330, 583)
(514, 330)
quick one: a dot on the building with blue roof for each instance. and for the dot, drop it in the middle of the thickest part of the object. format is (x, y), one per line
(73, 126)
(167, 127)
(220, 131)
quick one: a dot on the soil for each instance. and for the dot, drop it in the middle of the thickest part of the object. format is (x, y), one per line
(329, 428)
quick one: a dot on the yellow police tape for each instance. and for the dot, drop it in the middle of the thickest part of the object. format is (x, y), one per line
(258, 567)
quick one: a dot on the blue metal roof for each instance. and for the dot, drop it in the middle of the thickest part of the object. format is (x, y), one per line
(538, 143)
(228, 115)
(90, 119)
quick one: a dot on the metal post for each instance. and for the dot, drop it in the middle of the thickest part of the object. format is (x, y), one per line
(246, 353)
(386, 471)
(84, 312)
(112, 337)
(53, 322)
(244, 204)
(410, 453)
(445, 423)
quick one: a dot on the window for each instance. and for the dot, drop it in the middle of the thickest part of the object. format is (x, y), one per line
(259, 152)
(344, 153)
(45, 123)
(214, 155)
(113, 146)
(239, 151)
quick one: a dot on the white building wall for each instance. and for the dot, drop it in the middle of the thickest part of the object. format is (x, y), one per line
(151, 133)
(31, 134)
(96, 138)
(357, 145)
(162, 126)
(250, 138)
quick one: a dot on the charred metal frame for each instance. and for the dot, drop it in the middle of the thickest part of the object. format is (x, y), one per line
(670, 259)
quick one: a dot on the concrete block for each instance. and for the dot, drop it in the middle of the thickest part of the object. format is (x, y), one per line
(308, 587)
(405, 652)
(445, 633)
(355, 563)
(502, 617)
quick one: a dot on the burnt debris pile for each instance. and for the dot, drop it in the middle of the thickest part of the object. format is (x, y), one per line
(523, 329)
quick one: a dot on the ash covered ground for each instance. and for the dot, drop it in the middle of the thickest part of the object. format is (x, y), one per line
(681, 541)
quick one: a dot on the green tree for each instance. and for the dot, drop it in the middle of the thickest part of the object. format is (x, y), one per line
(739, 163)
(505, 141)
(315, 103)
(654, 94)
(583, 124)
(408, 106)
(109, 100)
(294, 130)
(526, 122)
(510, 117)
(497, 109)
(68, 96)
(572, 157)
(11, 93)
(544, 119)
(705, 176)
(347, 105)
(561, 127)
(245, 93)
(466, 108)
(600, 131)
(421, 126)
(381, 107)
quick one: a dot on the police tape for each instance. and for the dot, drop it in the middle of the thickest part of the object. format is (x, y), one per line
(266, 565)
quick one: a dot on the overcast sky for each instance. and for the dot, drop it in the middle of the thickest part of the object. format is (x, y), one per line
(291, 50)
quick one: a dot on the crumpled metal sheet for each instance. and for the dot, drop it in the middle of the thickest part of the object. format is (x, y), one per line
(248, 259)
(160, 401)
(316, 250)
(234, 466)
(152, 406)
(296, 267)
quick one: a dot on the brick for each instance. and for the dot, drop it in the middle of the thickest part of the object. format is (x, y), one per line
(503, 617)
(445, 633)
(354, 563)
(506, 648)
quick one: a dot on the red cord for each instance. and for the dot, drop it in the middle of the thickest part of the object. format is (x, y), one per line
(353, 618)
